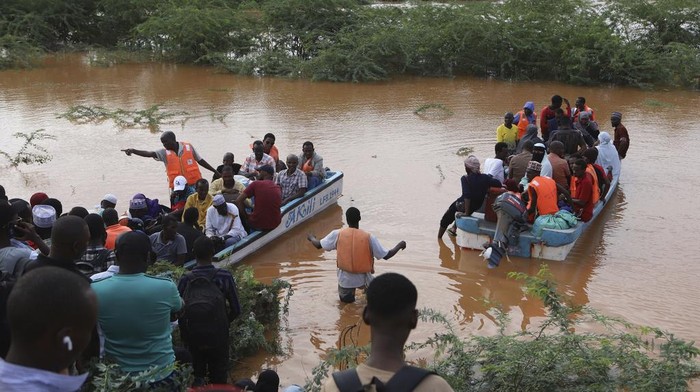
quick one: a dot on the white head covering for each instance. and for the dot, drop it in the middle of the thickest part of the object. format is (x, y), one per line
(608, 157)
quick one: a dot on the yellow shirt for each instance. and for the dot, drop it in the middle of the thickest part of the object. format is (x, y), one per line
(218, 185)
(432, 383)
(202, 206)
(506, 135)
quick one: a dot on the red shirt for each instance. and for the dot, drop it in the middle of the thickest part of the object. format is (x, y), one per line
(268, 200)
(620, 133)
(584, 191)
(546, 115)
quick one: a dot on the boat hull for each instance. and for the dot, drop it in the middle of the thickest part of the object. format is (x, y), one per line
(293, 214)
(474, 231)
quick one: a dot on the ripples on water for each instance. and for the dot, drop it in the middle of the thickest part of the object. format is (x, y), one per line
(639, 261)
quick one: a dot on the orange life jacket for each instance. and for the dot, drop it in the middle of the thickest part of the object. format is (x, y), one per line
(523, 122)
(354, 251)
(547, 198)
(596, 190)
(184, 165)
(308, 166)
(586, 108)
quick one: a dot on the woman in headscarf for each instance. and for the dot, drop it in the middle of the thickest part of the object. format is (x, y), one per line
(530, 134)
(608, 156)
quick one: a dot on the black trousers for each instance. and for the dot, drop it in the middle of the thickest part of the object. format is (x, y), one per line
(211, 362)
(449, 216)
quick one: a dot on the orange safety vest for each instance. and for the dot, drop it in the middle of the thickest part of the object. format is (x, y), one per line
(547, 198)
(184, 165)
(354, 251)
(307, 167)
(596, 190)
(523, 122)
(585, 109)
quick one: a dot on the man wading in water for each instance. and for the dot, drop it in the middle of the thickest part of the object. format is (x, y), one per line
(357, 250)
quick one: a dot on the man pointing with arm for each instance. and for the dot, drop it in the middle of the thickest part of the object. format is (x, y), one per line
(180, 159)
(357, 250)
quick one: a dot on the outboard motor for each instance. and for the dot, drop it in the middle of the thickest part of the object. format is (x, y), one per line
(512, 216)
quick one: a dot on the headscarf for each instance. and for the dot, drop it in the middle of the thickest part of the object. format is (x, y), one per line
(608, 157)
(472, 163)
(530, 134)
(616, 115)
(529, 105)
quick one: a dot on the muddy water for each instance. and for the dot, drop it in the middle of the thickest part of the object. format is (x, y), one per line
(640, 261)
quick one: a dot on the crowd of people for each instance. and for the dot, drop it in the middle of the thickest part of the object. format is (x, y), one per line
(127, 316)
(564, 165)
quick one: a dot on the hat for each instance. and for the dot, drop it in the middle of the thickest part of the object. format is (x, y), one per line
(584, 115)
(540, 145)
(472, 162)
(179, 183)
(616, 115)
(218, 200)
(534, 166)
(110, 198)
(138, 203)
(37, 198)
(267, 168)
(44, 216)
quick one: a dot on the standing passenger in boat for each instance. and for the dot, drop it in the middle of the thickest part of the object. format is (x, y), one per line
(475, 186)
(531, 135)
(622, 137)
(524, 118)
(572, 139)
(507, 132)
(549, 112)
(180, 159)
(608, 157)
(266, 213)
(292, 181)
(580, 107)
(495, 166)
(588, 128)
(583, 198)
(357, 250)
(312, 165)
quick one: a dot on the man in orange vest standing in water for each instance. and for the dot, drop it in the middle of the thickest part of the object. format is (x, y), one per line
(180, 159)
(357, 250)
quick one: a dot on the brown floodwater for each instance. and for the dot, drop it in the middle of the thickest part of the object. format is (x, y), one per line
(638, 261)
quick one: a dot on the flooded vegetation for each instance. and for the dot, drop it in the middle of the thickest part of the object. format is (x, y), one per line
(624, 42)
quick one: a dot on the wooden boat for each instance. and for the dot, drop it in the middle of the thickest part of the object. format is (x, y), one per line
(293, 214)
(474, 231)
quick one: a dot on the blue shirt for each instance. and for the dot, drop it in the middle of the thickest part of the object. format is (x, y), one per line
(134, 316)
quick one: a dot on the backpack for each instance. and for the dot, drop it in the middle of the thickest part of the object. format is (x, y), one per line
(406, 379)
(204, 321)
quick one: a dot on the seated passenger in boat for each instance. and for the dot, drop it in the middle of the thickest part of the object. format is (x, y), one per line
(178, 197)
(590, 170)
(518, 163)
(201, 200)
(312, 165)
(588, 128)
(495, 167)
(507, 132)
(227, 161)
(542, 194)
(475, 186)
(553, 123)
(168, 245)
(255, 160)
(560, 167)
(590, 156)
(608, 156)
(539, 154)
(226, 186)
(583, 197)
(292, 181)
(266, 213)
(224, 224)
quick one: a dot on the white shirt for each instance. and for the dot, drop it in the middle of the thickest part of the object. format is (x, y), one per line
(220, 226)
(113, 269)
(348, 279)
(16, 378)
(494, 167)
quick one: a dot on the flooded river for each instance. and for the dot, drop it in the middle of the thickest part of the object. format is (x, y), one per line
(639, 262)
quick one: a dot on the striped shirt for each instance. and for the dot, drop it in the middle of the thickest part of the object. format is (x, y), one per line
(223, 280)
(93, 252)
(291, 184)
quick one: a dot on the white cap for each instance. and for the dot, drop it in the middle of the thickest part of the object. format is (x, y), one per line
(218, 200)
(44, 216)
(179, 183)
(110, 198)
